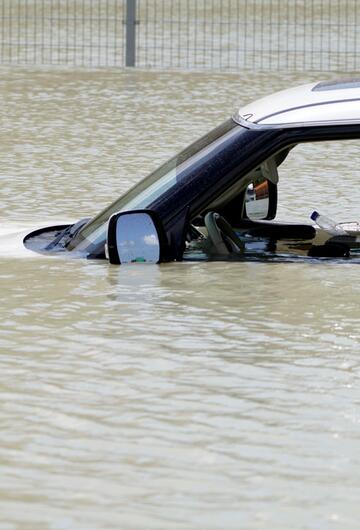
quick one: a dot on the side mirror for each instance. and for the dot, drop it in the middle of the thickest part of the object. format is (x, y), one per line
(136, 237)
(257, 200)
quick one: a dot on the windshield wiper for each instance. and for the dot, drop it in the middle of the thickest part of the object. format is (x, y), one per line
(64, 237)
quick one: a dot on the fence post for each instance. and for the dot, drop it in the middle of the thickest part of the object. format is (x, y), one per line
(130, 32)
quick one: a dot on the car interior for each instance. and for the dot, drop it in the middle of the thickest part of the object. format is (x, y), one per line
(241, 220)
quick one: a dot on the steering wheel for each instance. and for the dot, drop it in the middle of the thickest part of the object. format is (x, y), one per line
(221, 235)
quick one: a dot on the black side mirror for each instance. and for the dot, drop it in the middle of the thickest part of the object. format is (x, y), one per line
(136, 237)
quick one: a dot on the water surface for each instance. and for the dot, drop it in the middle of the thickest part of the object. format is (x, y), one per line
(188, 395)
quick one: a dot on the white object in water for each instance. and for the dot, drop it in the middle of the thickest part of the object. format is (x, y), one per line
(328, 225)
(352, 228)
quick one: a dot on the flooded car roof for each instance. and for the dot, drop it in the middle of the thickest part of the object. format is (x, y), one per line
(327, 102)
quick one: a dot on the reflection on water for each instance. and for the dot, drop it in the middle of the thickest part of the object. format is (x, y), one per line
(189, 395)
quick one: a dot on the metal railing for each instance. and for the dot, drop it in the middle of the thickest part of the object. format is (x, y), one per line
(194, 34)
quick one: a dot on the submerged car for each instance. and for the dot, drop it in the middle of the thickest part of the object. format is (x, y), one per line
(217, 199)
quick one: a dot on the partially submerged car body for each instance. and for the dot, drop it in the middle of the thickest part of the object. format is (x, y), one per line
(223, 172)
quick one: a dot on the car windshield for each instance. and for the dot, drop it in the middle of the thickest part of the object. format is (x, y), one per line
(150, 189)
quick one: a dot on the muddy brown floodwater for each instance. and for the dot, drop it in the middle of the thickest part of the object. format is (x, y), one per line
(188, 395)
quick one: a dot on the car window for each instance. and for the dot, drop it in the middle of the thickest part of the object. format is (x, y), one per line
(152, 187)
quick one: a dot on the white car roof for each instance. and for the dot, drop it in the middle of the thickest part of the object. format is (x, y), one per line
(327, 102)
